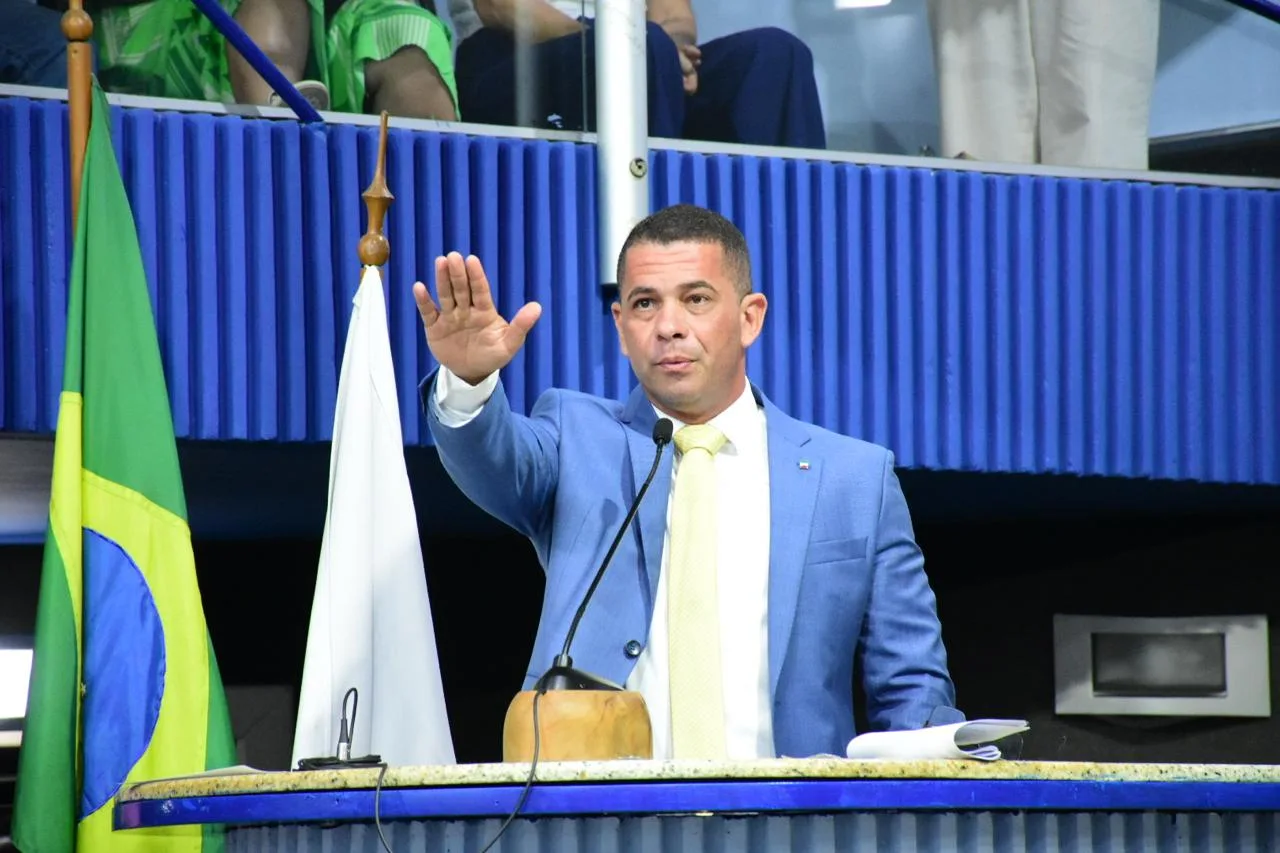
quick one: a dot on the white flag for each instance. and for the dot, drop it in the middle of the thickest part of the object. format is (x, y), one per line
(371, 624)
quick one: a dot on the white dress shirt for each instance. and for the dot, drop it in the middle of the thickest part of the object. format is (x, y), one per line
(742, 581)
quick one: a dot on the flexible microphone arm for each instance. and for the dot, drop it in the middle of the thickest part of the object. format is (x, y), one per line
(562, 676)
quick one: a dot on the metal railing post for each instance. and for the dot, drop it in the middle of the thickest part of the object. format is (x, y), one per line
(622, 126)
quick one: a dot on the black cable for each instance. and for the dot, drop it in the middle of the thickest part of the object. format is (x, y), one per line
(377, 806)
(354, 696)
(524, 795)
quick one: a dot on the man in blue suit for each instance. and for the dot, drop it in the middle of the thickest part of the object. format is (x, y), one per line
(768, 554)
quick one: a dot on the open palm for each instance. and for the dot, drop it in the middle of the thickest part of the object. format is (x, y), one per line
(465, 332)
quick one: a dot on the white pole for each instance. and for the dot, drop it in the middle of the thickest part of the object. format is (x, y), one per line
(622, 125)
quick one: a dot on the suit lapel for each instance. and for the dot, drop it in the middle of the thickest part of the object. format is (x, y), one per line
(651, 519)
(793, 492)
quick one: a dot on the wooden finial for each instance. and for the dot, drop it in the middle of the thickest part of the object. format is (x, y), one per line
(374, 248)
(77, 28)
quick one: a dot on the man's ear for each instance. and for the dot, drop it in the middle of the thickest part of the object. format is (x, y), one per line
(617, 324)
(753, 307)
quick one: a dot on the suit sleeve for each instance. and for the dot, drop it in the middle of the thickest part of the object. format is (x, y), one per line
(904, 662)
(507, 464)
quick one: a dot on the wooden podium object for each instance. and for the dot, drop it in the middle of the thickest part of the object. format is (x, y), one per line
(578, 725)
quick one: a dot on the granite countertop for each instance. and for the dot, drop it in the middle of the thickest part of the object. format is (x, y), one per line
(247, 781)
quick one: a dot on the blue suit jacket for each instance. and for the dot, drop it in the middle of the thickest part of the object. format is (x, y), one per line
(846, 578)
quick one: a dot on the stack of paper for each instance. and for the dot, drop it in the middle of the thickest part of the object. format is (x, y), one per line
(974, 739)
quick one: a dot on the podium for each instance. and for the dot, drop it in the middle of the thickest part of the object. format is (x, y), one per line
(774, 805)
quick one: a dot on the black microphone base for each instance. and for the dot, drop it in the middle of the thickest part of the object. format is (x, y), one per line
(329, 762)
(568, 678)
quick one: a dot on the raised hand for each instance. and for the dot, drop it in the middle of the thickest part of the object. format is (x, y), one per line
(465, 333)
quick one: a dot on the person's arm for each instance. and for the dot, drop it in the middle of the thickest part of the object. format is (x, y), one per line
(676, 19)
(281, 29)
(505, 463)
(904, 663)
(538, 18)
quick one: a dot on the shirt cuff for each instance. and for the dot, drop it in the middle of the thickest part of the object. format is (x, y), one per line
(458, 403)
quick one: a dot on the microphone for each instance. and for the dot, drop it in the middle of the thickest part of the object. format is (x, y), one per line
(562, 675)
(345, 731)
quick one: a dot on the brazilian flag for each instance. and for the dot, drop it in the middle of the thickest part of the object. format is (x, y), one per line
(124, 685)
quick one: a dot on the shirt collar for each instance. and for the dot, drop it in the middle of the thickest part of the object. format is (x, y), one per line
(740, 423)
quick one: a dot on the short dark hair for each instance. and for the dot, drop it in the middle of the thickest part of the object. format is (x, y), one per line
(688, 223)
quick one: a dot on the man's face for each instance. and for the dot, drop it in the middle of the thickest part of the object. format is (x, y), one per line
(685, 329)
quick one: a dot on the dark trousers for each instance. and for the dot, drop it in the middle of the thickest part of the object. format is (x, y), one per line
(33, 51)
(754, 87)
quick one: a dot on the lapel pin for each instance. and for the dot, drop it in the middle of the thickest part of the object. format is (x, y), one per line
(804, 464)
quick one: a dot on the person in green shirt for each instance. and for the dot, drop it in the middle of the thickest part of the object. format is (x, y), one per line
(344, 55)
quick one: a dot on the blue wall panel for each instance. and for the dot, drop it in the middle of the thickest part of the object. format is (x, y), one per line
(982, 832)
(968, 321)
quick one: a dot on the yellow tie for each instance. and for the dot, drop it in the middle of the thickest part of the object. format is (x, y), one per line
(693, 606)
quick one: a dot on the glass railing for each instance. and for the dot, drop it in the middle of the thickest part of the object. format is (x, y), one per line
(1180, 85)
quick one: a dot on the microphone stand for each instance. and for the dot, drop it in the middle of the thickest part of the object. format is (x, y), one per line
(594, 718)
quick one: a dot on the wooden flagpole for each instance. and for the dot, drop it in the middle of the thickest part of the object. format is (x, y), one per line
(77, 28)
(374, 248)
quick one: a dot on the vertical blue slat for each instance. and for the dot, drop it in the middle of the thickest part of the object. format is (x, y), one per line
(399, 274)
(1116, 328)
(1099, 306)
(1191, 334)
(979, 254)
(988, 312)
(613, 369)
(53, 229)
(852, 296)
(720, 187)
(1168, 351)
(428, 202)
(751, 220)
(281, 306)
(664, 178)
(1022, 409)
(305, 310)
(331, 308)
(1240, 307)
(1073, 231)
(572, 293)
(828, 360)
(539, 351)
(929, 372)
(516, 258)
(235, 252)
(947, 279)
(773, 253)
(693, 183)
(20, 294)
(1267, 341)
(11, 200)
(1049, 366)
(1144, 335)
(876, 283)
(204, 271)
(902, 360)
(1216, 302)
(599, 348)
(800, 282)
(173, 260)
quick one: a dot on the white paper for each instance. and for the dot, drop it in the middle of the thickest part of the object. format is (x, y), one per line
(237, 770)
(970, 740)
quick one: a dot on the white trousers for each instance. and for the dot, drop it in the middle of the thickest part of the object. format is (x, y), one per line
(1063, 82)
